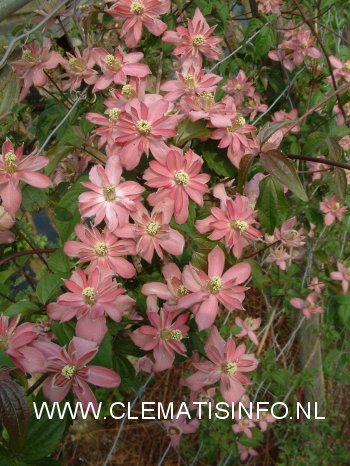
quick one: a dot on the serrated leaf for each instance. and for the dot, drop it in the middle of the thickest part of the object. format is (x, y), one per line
(188, 130)
(14, 412)
(271, 204)
(283, 171)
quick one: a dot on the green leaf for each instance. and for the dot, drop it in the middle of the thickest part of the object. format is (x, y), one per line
(219, 163)
(272, 205)
(221, 9)
(48, 286)
(59, 263)
(244, 166)
(5, 360)
(283, 171)
(25, 308)
(33, 199)
(334, 148)
(259, 279)
(341, 183)
(55, 155)
(64, 331)
(104, 355)
(188, 130)
(265, 41)
(9, 90)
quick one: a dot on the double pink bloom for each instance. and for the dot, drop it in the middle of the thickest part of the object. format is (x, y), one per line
(206, 292)
(332, 210)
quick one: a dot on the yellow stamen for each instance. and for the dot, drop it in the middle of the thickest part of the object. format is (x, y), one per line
(181, 177)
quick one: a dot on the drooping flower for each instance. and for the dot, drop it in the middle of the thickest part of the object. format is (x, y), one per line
(332, 210)
(208, 291)
(103, 250)
(309, 305)
(279, 256)
(152, 232)
(226, 363)
(137, 14)
(248, 327)
(179, 426)
(343, 275)
(116, 67)
(232, 225)
(13, 169)
(69, 371)
(163, 337)
(79, 67)
(89, 299)
(177, 178)
(196, 41)
(143, 128)
(108, 198)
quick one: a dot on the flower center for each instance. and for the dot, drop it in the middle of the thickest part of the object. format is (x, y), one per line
(347, 66)
(4, 342)
(68, 371)
(240, 225)
(109, 193)
(113, 113)
(152, 228)
(143, 127)
(189, 81)
(236, 124)
(229, 368)
(214, 285)
(181, 291)
(137, 8)
(238, 87)
(198, 40)
(245, 421)
(181, 177)
(10, 162)
(76, 66)
(208, 96)
(173, 431)
(304, 44)
(112, 63)
(166, 334)
(101, 249)
(89, 296)
(336, 206)
(127, 91)
(28, 56)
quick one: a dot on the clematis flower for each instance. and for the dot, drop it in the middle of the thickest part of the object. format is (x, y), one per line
(341, 70)
(253, 106)
(177, 178)
(79, 67)
(214, 288)
(103, 250)
(35, 60)
(13, 169)
(263, 420)
(14, 337)
(269, 6)
(317, 169)
(232, 225)
(332, 210)
(152, 232)
(204, 107)
(192, 80)
(6, 222)
(108, 198)
(288, 235)
(245, 452)
(240, 87)
(339, 114)
(316, 286)
(282, 115)
(116, 67)
(196, 41)
(309, 305)
(248, 327)
(69, 371)
(143, 128)
(244, 425)
(108, 130)
(89, 298)
(343, 275)
(170, 292)
(226, 363)
(163, 337)
(179, 426)
(137, 14)
(279, 256)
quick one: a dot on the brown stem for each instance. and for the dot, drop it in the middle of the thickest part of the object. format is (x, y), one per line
(28, 241)
(325, 53)
(37, 384)
(332, 163)
(261, 250)
(26, 253)
(57, 87)
(7, 297)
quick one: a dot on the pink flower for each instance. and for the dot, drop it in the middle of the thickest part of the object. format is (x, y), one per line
(226, 363)
(251, 188)
(103, 250)
(137, 14)
(342, 275)
(317, 169)
(192, 80)
(178, 426)
(144, 128)
(108, 198)
(152, 232)
(308, 306)
(289, 236)
(214, 288)
(240, 87)
(269, 6)
(339, 114)
(316, 286)
(89, 298)
(108, 125)
(332, 210)
(244, 451)
(248, 327)
(194, 42)
(144, 364)
(243, 424)
(14, 169)
(35, 60)
(79, 67)
(254, 106)
(344, 142)
(178, 178)
(282, 115)
(234, 138)
(279, 256)
(70, 371)
(232, 225)
(263, 420)
(14, 337)
(6, 222)
(170, 292)
(117, 67)
(163, 337)
(341, 70)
